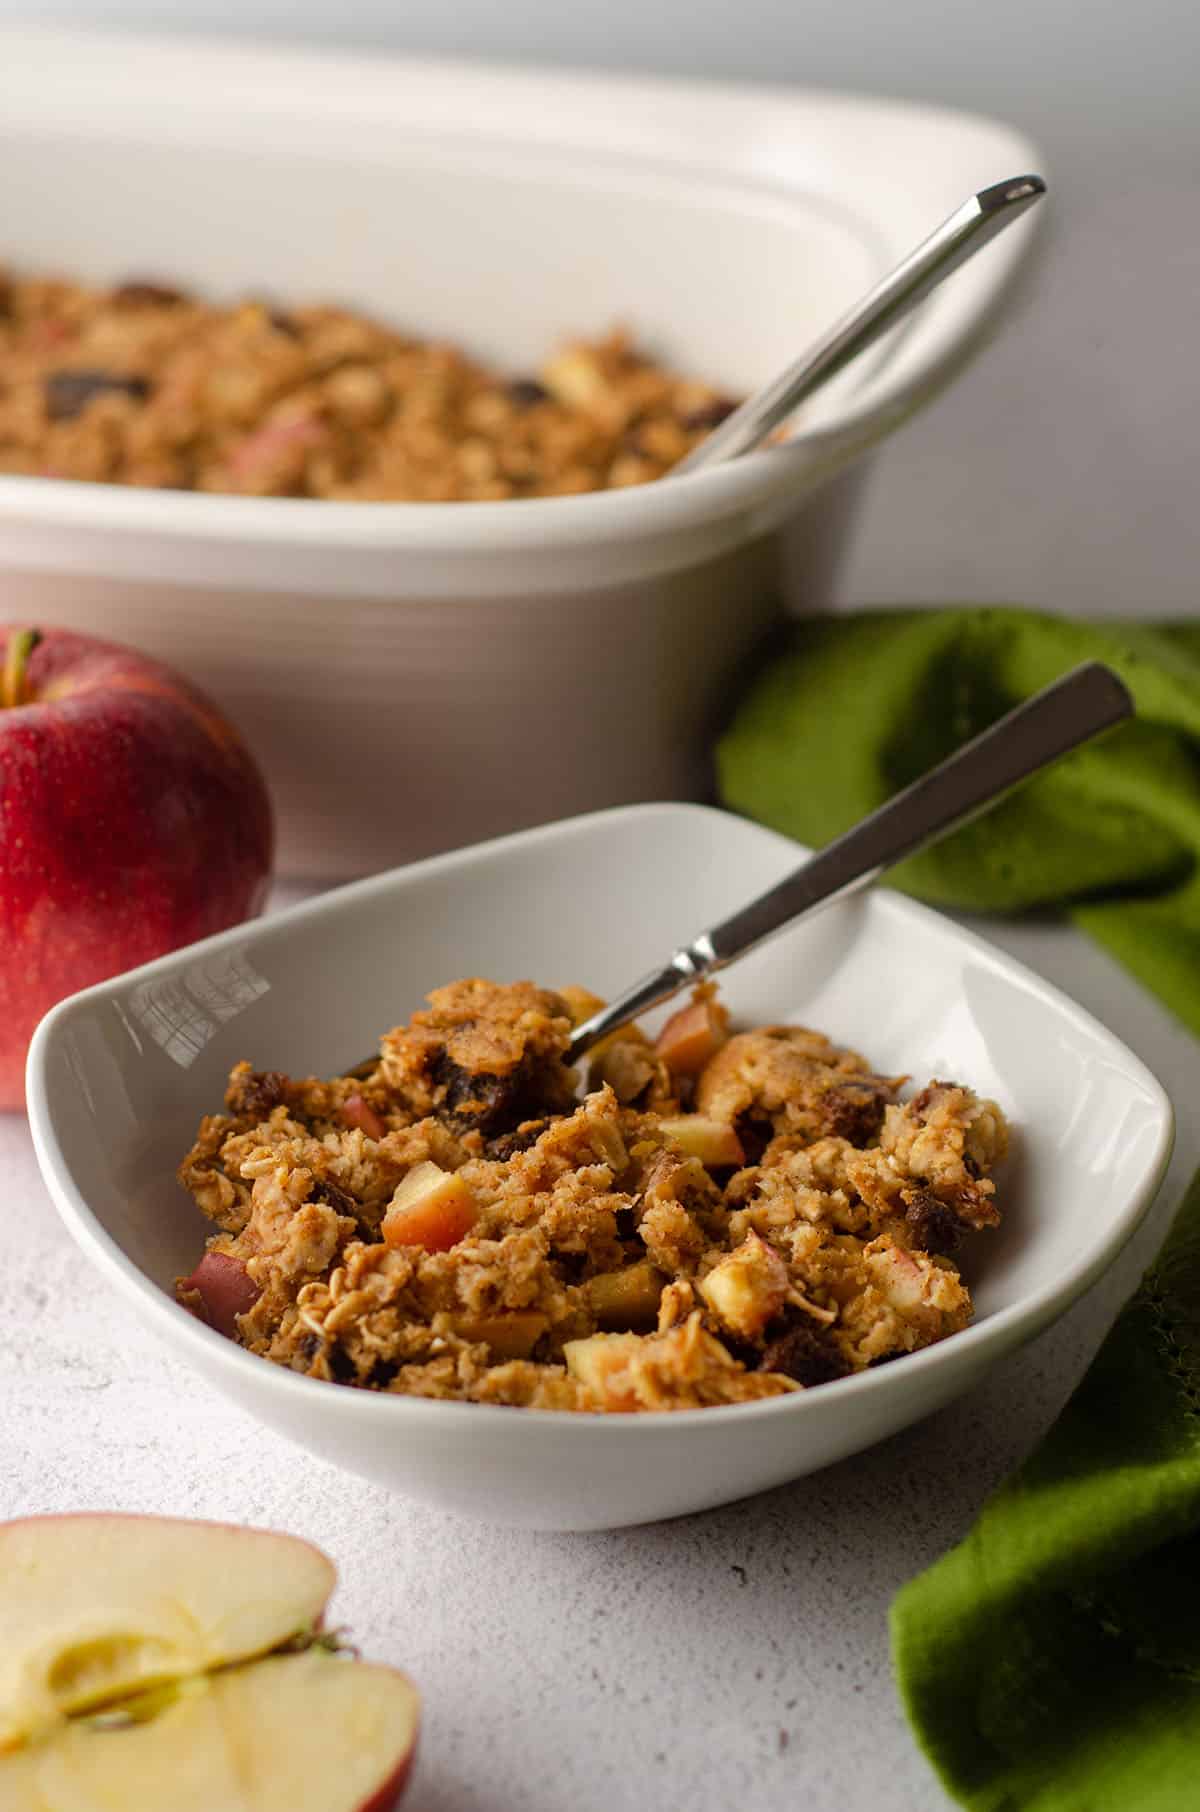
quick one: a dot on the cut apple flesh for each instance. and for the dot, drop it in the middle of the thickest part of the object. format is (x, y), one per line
(712, 1141)
(691, 1036)
(747, 1288)
(628, 1298)
(95, 1608)
(432, 1208)
(312, 1731)
(510, 1336)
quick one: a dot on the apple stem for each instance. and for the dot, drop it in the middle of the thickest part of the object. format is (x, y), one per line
(21, 644)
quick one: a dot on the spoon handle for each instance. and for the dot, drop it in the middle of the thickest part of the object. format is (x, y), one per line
(1077, 707)
(967, 230)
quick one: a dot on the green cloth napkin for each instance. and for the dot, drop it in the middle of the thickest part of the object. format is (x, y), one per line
(1051, 1662)
(858, 706)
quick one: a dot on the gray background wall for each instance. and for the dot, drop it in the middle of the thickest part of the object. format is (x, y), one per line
(1065, 468)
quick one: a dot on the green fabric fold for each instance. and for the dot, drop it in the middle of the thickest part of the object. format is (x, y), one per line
(858, 706)
(1051, 1662)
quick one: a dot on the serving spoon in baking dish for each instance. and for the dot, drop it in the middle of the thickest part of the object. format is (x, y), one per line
(966, 232)
(1085, 702)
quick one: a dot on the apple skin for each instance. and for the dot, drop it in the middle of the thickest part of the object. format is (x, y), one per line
(392, 1791)
(133, 819)
(225, 1288)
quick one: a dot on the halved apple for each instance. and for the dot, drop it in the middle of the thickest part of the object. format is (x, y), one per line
(432, 1208)
(137, 1674)
(714, 1142)
(94, 1608)
(311, 1730)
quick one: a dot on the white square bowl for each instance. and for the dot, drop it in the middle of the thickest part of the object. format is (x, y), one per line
(377, 656)
(120, 1076)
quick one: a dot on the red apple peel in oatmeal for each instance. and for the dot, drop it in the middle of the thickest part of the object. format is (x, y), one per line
(461, 1223)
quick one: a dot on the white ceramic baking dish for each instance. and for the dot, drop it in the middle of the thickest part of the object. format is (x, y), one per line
(416, 676)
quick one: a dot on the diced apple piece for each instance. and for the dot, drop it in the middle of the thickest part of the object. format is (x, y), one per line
(225, 1289)
(748, 1288)
(360, 1113)
(432, 1207)
(628, 1298)
(93, 1608)
(311, 1730)
(601, 1364)
(691, 1036)
(581, 1003)
(712, 1141)
(510, 1336)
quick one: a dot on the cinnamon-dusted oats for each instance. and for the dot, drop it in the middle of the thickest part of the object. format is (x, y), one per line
(143, 385)
(459, 1224)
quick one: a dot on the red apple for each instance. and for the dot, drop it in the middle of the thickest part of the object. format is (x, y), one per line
(132, 820)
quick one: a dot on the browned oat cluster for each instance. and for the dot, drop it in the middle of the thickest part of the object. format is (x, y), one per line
(142, 385)
(722, 1217)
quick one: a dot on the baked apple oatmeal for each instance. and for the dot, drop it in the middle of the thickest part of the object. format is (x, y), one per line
(144, 385)
(723, 1215)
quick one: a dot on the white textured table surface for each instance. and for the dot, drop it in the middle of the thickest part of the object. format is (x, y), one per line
(733, 1659)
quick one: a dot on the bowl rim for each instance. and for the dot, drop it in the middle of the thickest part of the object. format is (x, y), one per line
(931, 345)
(982, 1340)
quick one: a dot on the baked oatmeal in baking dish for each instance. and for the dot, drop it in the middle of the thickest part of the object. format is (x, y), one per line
(720, 1216)
(144, 385)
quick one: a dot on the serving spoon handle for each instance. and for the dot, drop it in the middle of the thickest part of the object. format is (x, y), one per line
(1085, 702)
(967, 230)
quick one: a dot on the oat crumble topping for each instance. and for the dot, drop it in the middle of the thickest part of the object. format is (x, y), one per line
(719, 1217)
(144, 385)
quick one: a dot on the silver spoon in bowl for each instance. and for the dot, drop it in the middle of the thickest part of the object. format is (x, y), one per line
(966, 232)
(1085, 702)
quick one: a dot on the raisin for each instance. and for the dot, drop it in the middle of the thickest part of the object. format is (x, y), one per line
(342, 1366)
(755, 1133)
(806, 1354)
(509, 1144)
(526, 391)
(325, 1190)
(254, 1096)
(478, 1098)
(854, 1111)
(382, 1373)
(68, 393)
(140, 294)
(627, 1223)
(932, 1225)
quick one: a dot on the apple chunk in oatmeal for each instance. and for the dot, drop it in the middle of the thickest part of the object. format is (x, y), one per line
(710, 1217)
